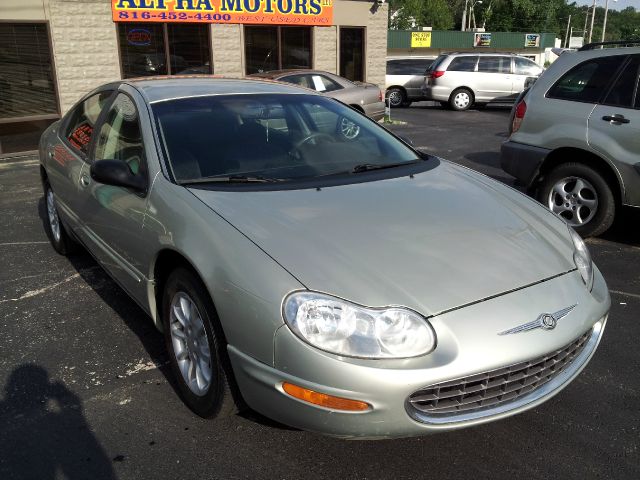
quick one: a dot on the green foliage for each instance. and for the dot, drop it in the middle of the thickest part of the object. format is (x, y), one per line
(527, 16)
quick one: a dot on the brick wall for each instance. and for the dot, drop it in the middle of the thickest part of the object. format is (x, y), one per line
(325, 49)
(376, 45)
(85, 47)
(227, 48)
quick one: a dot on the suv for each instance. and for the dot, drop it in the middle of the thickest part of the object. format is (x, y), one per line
(460, 80)
(575, 136)
(405, 76)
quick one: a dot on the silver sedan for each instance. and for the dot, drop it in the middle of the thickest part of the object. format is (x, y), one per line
(365, 97)
(349, 285)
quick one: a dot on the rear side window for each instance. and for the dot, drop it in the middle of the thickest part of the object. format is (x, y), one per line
(79, 129)
(437, 62)
(463, 64)
(408, 66)
(494, 64)
(588, 81)
(624, 92)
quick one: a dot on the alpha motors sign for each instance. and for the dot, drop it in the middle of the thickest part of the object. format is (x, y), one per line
(278, 12)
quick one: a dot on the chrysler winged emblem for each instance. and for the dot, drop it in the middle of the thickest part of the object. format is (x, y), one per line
(546, 321)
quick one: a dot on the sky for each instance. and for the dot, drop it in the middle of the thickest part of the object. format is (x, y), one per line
(619, 5)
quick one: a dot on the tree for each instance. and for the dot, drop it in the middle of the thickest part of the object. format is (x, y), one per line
(407, 14)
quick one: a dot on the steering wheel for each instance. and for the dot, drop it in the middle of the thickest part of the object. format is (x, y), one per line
(313, 136)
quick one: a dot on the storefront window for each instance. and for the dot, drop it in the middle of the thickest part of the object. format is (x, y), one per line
(352, 53)
(161, 49)
(276, 48)
(28, 102)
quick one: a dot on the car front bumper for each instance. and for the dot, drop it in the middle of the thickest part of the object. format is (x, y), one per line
(522, 161)
(468, 344)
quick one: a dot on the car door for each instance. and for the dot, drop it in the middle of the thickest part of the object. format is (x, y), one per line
(67, 155)
(614, 124)
(113, 216)
(493, 80)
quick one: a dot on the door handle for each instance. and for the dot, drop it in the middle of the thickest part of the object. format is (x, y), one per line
(616, 119)
(84, 180)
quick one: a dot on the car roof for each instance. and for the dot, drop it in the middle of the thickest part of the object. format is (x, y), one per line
(278, 73)
(480, 54)
(157, 89)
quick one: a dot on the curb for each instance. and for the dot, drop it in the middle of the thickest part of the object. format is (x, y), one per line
(19, 157)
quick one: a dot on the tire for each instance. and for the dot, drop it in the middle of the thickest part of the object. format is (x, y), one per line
(406, 103)
(396, 97)
(444, 104)
(56, 231)
(461, 99)
(191, 331)
(581, 196)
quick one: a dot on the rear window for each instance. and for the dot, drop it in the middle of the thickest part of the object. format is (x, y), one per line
(436, 63)
(587, 81)
(463, 64)
(408, 66)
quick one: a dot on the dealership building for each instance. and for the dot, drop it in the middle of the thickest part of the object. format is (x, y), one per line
(54, 51)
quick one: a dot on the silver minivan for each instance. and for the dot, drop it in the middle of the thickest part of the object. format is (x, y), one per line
(405, 78)
(460, 80)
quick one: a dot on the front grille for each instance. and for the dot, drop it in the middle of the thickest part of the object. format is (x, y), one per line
(495, 387)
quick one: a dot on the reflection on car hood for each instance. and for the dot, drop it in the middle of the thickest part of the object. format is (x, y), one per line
(439, 240)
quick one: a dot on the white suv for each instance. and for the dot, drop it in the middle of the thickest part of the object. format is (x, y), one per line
(575, 136)
(460, 80)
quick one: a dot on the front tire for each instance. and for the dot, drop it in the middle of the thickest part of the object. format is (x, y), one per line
(58, 236)
(461, 99)
(581, 196)
(196, 346)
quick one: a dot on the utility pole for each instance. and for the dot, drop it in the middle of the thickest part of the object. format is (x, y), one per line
(593, 17)
(586, 19)
(566, 37)
(604, 24)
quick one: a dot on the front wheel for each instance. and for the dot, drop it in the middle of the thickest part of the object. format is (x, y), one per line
(195, 342)
(58, 236)
(581, 196)
(461, 99)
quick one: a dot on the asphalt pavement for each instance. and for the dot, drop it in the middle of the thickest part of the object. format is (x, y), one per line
(85, 390)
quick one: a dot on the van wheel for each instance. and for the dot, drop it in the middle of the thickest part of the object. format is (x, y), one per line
(196, 346)
(444, 104)
(461, 99)
(581, 196)
(407, 103)
(396, 97)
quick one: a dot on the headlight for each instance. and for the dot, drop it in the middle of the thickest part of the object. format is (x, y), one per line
(344, 328)
(582, 259)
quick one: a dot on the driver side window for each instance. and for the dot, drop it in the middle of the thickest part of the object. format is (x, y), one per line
(120, 136)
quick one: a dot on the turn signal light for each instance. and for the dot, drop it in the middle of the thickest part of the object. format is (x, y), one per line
(324, 400)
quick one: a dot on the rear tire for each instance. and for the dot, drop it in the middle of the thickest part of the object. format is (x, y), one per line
(581, 196)
(444, 104)
(406, 103)
(58, 236)
(396, 97)
(196, 346)
(461, 99)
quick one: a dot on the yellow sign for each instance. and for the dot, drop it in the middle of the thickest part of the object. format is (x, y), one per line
(281, 12)
(420, 39)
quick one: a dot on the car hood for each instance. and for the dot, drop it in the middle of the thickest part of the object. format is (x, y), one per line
(432, 242)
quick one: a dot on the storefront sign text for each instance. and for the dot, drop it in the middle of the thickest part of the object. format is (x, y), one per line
(420, 39)
(139, 37)
(280, 12)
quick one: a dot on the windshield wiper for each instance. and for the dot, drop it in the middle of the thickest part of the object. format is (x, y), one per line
(366, 167)
(231, 179)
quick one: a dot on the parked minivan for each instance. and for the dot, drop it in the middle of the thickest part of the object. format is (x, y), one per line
(460, 80)
(405, 78)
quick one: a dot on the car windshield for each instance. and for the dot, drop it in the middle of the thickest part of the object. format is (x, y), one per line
(272, 137)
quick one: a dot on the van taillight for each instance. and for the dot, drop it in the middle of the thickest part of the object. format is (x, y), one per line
(521, 109)
(437, 74)
(380, 95)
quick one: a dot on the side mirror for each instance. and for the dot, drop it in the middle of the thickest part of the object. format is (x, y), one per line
(117, 173)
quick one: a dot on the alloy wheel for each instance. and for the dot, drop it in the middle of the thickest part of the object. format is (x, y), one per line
(574, 199)
(52, 213)
(349, 129)
(395, 98)
(190, 343)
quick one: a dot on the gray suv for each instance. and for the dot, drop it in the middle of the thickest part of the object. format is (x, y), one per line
(575, 136)
(460, 80)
